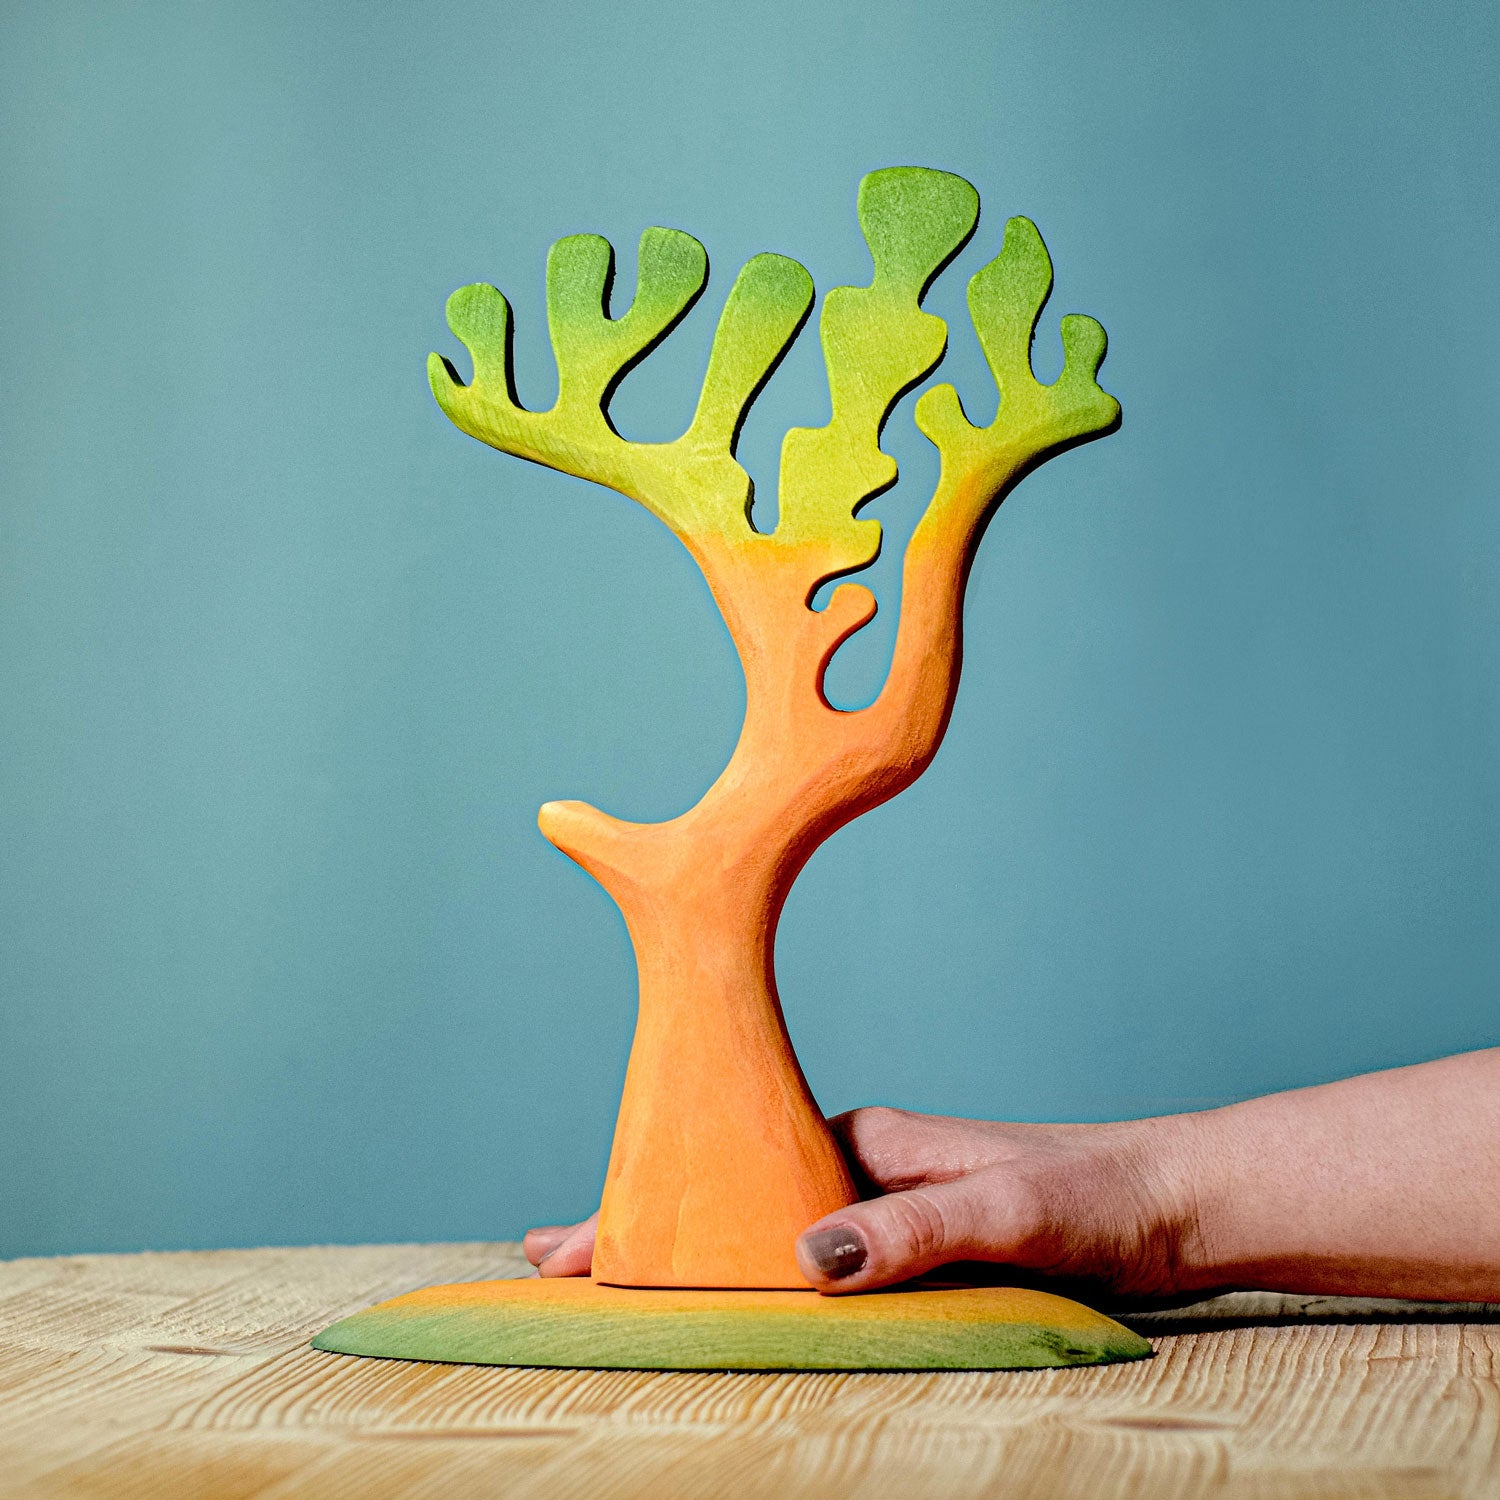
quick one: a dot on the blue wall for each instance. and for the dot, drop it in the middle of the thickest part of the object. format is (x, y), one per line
(287, 664)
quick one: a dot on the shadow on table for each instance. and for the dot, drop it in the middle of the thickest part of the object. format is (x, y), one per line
(1280, 1309)
(1196, 1314)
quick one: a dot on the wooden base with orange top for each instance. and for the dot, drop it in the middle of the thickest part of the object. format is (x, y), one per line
(575, 1323)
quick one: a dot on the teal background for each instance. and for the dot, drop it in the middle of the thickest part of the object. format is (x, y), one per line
(287, 664)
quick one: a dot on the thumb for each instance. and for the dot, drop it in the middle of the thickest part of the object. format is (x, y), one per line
(989, 1215)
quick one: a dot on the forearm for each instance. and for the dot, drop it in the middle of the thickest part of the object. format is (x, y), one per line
(1386, 1185)
(1383, 1185)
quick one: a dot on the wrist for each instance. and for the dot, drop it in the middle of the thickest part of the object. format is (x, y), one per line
(1183, 1165)
(1222, 1160)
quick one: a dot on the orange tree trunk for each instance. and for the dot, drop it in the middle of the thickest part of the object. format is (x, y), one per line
(721, 1157)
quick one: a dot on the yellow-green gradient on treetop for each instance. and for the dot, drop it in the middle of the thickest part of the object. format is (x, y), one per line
(694, 484)
(1033, 421)
(877, 344)
(766, 308)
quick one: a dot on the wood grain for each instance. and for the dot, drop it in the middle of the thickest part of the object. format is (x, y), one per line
(189, 1375)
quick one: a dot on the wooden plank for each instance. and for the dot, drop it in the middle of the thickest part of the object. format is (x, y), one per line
(168, 1375)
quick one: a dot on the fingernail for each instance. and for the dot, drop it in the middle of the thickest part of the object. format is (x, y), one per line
(837, 1252)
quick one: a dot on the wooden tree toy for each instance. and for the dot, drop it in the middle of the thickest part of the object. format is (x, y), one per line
(721, 1156)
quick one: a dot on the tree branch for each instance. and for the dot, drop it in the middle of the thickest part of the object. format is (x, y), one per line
(980, 466)
(877, 344)
(1034, 421)
(694, 484)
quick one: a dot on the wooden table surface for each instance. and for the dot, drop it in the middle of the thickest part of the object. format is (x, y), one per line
(189, 1375)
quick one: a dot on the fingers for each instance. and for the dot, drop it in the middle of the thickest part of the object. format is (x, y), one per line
(543, 1239)
(989, 1216)
(562, 1250)
(894, 1148)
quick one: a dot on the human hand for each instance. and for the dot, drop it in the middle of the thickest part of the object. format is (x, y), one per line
(1382, 1185)
(1106, 1205)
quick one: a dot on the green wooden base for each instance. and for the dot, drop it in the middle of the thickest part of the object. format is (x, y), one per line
(575, 1323)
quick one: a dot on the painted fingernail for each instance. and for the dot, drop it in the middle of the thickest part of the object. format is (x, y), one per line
(837, 1252)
